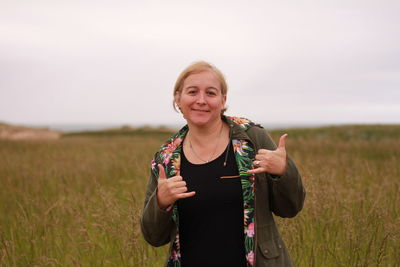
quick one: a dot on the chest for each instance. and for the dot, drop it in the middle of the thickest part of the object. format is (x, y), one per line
(215, 185)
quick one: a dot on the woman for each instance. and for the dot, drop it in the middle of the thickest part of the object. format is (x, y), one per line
(215, 184)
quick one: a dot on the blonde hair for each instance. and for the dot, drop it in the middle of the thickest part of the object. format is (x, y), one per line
(197, 67)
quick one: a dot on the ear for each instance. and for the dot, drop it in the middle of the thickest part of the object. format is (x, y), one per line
(177, 99)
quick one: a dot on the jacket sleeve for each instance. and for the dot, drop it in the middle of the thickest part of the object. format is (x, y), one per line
(156, 224)
(286, 192)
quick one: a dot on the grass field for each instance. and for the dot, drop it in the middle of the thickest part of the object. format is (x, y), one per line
(76, 201)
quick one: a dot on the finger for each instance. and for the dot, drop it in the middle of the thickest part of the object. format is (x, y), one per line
(262, 157)
(256, 163)
(186, 195)
(176, 179)
(180, 184)
(257, 170)
(180, 190)
(263, 151)
(282, 141)
(161, 170)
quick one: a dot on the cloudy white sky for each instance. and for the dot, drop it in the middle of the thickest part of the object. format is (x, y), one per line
(93, 62)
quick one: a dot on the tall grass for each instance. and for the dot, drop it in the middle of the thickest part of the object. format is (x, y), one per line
(351, 215)
(76, 201)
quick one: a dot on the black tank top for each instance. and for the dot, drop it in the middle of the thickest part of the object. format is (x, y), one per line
(211, 222)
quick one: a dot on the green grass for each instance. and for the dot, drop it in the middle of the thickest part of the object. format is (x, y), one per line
(76, 201)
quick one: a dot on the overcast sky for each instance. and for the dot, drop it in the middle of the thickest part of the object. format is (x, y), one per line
(117, 61)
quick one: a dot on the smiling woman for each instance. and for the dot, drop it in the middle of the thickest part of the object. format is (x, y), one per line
(215, 184)
(201, 99)
(196, 68)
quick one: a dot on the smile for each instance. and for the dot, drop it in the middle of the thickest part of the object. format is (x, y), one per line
(200, 110)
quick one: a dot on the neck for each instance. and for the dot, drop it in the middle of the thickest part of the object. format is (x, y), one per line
(204, 144)
(199, 133)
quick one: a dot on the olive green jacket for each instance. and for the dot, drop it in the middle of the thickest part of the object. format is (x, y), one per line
(263, 196)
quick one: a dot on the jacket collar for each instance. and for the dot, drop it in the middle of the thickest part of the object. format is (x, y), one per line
(237, 125)
(236, 132)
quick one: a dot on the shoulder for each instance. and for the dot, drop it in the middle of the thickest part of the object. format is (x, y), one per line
(247, 126)
(244, 123)
(253, 131)
(166, 150)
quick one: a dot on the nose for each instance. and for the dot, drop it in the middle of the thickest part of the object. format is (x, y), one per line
(201, 99)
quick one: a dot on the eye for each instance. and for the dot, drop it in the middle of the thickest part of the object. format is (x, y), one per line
(211, 93)
(191, 91)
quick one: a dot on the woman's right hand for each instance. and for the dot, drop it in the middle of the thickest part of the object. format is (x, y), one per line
(170, 190)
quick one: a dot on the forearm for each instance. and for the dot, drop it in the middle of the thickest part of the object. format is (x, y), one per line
(287, 192)
(156, 223)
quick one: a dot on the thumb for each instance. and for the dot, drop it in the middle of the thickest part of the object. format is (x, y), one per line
(161, 174)
(282, 141)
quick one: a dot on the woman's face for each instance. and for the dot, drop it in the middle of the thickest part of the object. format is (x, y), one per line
(201, 99)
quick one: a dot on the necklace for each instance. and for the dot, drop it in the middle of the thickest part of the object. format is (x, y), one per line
(215, 149)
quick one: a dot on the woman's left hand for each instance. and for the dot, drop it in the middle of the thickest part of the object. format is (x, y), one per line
(271, 161)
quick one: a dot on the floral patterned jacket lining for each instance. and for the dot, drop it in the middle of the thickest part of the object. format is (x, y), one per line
(169, 156)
